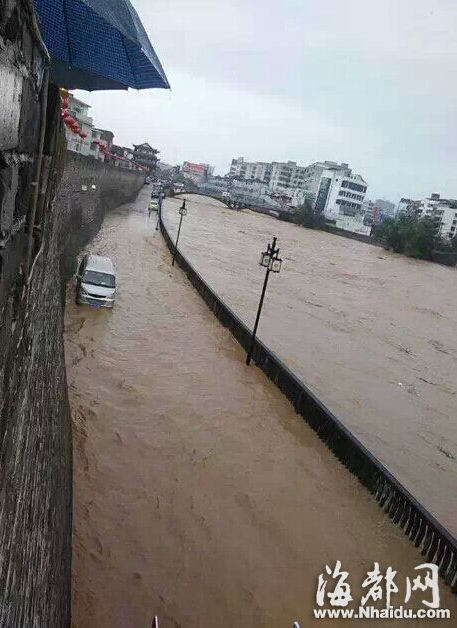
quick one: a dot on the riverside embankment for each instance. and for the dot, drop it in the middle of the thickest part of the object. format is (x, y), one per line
(200, 495)
(371, 333)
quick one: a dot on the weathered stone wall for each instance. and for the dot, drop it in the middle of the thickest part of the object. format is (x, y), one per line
(89, 188)
(35, 426)
(35, 435)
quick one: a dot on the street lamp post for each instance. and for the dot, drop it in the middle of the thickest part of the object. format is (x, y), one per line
(270, 260)
(159, 210)
(182, 212)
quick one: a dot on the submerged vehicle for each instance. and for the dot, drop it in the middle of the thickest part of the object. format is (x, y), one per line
(96, 282)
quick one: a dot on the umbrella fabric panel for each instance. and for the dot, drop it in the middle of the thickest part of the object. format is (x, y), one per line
(123, 17)
(51, 20)
(145, 73)
(97, 46)
(116, 14)
(143, 40)
(72, 78)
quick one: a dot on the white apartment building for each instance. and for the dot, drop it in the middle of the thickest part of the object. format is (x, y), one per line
(408, 206)
(278, 176)
(448, 221)
(80, 112)
(340, 193)
(443, 212)
(94, 150)
(313, 173)
(283, 176)
(250, 169)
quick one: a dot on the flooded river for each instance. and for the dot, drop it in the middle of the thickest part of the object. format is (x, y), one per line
(372, 333)
(199, 495)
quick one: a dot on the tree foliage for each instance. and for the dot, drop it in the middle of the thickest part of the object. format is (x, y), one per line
(415, 237)
(306, 216)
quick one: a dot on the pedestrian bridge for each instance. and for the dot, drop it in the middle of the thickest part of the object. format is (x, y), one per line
(239, 203)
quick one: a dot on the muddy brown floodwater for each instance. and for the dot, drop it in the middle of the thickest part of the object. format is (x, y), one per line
(199, 494)
(373, 334)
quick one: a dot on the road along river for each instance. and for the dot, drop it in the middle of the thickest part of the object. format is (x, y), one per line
(371, 333)
(199, 494)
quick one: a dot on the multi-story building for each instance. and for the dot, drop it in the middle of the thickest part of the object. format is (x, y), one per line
(340, 193)
(408, 206)
(441, 210)
(197, 172)
(122, 157)
(94, 148)
(313, 173)
(276, 175)
(146, 156)
(250, 170)
(107, 138)
(282, 176)
(286, 175)
(79, 110)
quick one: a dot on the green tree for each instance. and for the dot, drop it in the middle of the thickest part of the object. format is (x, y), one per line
(306, 216)
(421, 240)
(409, 235)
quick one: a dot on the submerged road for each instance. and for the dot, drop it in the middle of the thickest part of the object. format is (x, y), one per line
(373, 334)
(199, 494)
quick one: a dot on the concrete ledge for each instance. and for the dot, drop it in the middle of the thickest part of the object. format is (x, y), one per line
(435, 542)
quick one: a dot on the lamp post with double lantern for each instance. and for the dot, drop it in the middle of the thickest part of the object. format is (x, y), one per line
(182, 213)
(270, 260)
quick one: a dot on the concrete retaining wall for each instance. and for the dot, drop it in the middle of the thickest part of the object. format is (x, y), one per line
(435, 542)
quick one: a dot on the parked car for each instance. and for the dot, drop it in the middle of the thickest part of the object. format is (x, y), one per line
(96, 282)
(153, 205)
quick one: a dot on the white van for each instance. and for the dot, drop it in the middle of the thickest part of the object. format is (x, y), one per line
(96, 282)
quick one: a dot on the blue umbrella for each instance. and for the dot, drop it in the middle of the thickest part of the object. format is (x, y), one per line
(98, 44)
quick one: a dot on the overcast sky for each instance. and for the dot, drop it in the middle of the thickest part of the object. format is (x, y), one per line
(369, 83)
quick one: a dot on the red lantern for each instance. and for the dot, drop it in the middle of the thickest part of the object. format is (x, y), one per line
(82, 134)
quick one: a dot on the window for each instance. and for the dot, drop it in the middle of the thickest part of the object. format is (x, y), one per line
(95, 278)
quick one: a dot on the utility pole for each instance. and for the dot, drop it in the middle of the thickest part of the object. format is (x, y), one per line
(271, 261)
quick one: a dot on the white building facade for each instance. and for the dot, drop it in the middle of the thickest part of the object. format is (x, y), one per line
(80, 112)
(340, 193)
(285, 176)
(441, 210)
